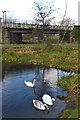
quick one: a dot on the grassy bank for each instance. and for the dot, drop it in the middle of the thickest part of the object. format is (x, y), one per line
(63, 56)
(71, 84)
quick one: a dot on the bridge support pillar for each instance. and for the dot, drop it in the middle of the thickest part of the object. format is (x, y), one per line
(65, 37)
(37, 35)
(0, 31)
(5, 36)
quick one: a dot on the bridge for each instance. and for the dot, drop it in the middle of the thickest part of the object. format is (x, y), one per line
(30, 26)
(12, 32)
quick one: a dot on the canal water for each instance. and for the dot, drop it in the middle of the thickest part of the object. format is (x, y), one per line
(17, 97)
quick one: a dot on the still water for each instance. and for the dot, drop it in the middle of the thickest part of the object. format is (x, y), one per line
(17, 97)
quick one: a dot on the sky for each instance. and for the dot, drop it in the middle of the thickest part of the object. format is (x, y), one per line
(22, 9)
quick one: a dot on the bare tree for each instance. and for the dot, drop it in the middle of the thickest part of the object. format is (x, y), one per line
(68, 21)
(62, 23)
(44, 15)
(44, 12)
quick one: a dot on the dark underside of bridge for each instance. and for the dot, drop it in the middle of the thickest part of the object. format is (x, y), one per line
(14, 36)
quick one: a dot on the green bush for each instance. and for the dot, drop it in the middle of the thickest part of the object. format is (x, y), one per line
(76, 32)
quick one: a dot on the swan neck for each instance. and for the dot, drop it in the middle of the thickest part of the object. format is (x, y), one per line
(46, 106)
(34, 82)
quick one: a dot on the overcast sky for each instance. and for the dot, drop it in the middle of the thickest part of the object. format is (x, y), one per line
(22, 9)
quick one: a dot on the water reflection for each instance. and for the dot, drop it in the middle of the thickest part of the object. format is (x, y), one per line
(51, 76)
(17, 98)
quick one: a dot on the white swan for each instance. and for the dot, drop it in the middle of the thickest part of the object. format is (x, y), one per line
(39, 105)
(30, 84)
(47, 99)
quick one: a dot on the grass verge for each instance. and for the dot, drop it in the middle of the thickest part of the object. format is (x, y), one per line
(63, 56)
(71, 83)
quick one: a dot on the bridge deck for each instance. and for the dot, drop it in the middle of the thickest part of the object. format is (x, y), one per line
(31, 26)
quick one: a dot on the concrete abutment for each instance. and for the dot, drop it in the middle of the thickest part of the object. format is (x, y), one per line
(0, 31)
(12, 33)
